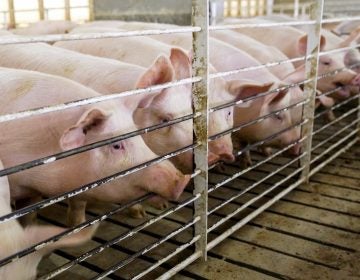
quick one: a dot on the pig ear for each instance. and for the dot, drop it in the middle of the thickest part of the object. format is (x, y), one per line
(181, 63)
(277, 97)
(354, 35)
(243, 89)
(37, 234)
(75, 136)
(302, 44)
(160, 72)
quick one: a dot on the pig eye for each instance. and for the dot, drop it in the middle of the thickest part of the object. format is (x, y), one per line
(118, 146)
(278, 117)
(327, 63)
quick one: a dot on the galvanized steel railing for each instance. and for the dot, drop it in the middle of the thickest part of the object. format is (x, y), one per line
(202, 188)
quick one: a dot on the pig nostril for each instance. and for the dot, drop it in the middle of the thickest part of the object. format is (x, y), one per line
(339, 84)
(228, 158)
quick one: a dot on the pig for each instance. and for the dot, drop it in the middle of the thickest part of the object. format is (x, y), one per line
(292, 42)
(46, 27)
(284, 72)
(237, 88)
(108, 76)
(346, 27)
(27, 139)
(15, 238)
(127, 50)
(225, 58)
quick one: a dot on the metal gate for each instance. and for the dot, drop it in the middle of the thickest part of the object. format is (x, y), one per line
(170, 240)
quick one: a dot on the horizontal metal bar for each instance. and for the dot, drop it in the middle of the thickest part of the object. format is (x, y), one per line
(332, 136)
(342, 103)
(262, 142)
(332, 147)
(254, 185)
(257, 120)
(93, 100)
(168, 257)
(16, 256)
(323, 127)
(339, 50)
(259, 25)
(334, 20)
(256, 198)
(117, 239)
(259, 95)
(148, 248)
(256, 67)
(50, 201)
(61, 155)
(180, 266)
(89, 36)
(334, 156)
(328, 92)
(253, 214)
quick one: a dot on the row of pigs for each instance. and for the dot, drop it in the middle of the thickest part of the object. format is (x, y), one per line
(36, 75)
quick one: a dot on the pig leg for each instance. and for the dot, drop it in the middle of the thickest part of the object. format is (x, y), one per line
(76, 212)
(158, 202)
(30, 218)
(136, 211)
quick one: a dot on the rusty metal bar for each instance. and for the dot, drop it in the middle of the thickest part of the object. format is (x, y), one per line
(12, 19)
(41, 9)
(200, 17)
(67, 8)
(311, 68)
(91, 10)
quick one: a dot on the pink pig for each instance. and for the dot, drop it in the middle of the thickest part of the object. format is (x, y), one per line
(15, 238)
(27, 139)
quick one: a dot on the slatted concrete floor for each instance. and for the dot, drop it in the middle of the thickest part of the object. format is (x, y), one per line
(312, 233)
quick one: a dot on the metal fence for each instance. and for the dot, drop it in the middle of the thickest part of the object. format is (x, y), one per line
(221, 202)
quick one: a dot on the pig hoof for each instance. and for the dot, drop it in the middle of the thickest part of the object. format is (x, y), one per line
(137, 212)
(158, 203)
(219, 168)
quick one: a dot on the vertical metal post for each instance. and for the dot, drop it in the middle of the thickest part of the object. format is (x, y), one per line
(41, 9)
(257, 8)
(239, 9)
(296, 8)
(200, 17)
(67, 10)
(248, 3)
(313, 48)
(91, 10)
(12, 20)
(269, 7)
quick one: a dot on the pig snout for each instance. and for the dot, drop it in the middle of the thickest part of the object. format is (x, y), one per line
(221, 149)
(295, 150)
(184, 162)
(356, 80)
(212, 158)
(166, 181)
